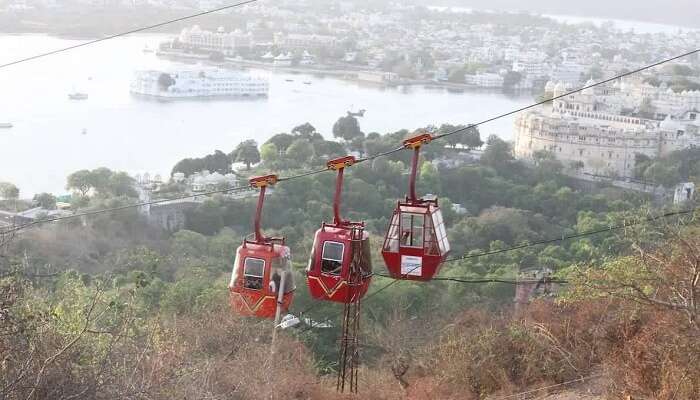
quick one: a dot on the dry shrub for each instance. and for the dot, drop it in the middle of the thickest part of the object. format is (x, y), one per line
(656, 360)
(483, 353)
(219, 356)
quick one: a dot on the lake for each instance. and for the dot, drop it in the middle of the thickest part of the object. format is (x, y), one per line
(54, 136)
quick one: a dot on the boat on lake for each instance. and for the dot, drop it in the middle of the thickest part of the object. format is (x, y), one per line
(5, 125)
(199, 83)
(78, 96)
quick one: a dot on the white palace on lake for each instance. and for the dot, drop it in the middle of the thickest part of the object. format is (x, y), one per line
(202, 83)
(600, 130)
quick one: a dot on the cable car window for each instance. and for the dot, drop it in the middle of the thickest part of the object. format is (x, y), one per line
(440, 232)
(332, 257)
(312, 257)
(430, 244)
(253, 271)
(392, 238)
(412, 230)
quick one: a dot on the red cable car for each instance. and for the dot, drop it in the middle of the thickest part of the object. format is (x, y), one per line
(416, 242)
(262, 275)
(340, 264)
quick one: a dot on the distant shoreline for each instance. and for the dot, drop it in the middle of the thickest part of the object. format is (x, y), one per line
(349, 74)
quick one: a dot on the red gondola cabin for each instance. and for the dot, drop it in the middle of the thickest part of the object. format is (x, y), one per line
(340, 265)
(262, 274)
(416, 243)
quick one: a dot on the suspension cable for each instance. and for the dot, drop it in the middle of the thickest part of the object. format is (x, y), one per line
(116, 35)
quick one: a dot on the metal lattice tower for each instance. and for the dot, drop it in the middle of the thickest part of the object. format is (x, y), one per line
(349, 351)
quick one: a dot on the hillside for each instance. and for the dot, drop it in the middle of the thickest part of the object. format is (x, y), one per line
(113, 306)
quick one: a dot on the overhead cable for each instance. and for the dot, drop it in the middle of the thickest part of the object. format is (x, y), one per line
(142, 29)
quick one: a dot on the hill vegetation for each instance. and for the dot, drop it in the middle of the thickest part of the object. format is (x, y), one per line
(111, 307)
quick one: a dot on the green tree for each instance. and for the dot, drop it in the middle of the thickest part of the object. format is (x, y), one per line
(45, 200)
(121, 184)
(81, 181)
(300, 151)
(246, 152)
(329, 149)
(347, 128)
(188, 244)
(305, 130)
(8, 191)
(429, 179)
(269, 154)
(511, 79)
(207, 218)
(470, 137)
(282, 140)
(100, 179)
(498, 153)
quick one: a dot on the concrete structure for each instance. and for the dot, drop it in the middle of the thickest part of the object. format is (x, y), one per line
(684, 192)
(531, 284)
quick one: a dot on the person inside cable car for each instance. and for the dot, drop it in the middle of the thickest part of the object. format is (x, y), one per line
(332, 257)
(253, 272)
(282, 267)
(274, 282)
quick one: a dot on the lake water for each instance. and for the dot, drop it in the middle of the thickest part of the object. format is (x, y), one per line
(621, 24)
(136, 135)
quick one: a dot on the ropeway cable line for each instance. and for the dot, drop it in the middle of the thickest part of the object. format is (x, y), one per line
(116, 35)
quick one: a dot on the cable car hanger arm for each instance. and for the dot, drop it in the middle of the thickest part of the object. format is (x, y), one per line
(415, 144)
(339, 164)
(261, 182)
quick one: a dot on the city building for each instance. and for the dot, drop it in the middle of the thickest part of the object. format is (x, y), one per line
(485, 80)
(227, 43)
(601, 131)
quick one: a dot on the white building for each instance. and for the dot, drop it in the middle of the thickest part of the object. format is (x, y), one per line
(295, 41)
(485, 80)
(568, 72)
(531, 64)
(224, 42)
(204, 181)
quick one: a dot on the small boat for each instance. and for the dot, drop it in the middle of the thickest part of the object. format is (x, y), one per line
(307, 82)
(289, 80)
(77, 96)
(5, 125)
